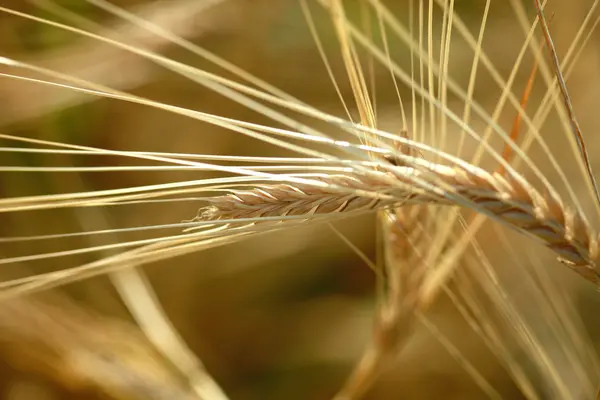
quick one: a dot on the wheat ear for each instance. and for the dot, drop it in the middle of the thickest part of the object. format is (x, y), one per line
(517, 205)
(404, 273)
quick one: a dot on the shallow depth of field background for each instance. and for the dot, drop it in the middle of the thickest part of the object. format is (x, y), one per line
(279, 316)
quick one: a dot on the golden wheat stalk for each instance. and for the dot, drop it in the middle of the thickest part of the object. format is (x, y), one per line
(519, 206)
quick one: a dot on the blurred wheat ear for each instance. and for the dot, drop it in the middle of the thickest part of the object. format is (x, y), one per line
(55, 337)
(428, 193)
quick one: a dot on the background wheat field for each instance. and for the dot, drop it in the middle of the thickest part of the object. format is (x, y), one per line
(274, 313)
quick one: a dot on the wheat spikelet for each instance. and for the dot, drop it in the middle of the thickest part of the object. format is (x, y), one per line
(287, 199)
